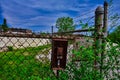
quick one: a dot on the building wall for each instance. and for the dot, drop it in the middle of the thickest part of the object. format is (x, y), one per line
(22, 42)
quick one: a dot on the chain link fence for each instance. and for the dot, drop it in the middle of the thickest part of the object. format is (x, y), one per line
(28, 57)
(90, 55)
(24, 58)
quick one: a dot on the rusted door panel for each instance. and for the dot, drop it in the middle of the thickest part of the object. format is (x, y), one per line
(59, 53)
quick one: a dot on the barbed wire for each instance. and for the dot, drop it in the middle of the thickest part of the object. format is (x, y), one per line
(88, 19)
(86, 13)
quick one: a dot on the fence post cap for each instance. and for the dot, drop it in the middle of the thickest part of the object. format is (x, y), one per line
(105, 3)
(99, 10)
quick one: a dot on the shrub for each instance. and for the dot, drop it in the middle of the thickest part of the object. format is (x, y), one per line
(82, 67)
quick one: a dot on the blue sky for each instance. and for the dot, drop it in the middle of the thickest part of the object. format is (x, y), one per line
(40, 15)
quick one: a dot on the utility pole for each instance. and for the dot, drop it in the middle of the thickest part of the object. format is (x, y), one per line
(52, 30)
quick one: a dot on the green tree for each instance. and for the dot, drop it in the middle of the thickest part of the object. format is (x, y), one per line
(114, 23)
(115, 36)
(4, 26)
(65, 24)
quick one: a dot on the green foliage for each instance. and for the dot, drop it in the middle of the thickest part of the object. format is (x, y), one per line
(82, 65)
(4, 28)
(84, 53)
(115, 36)
(65, 24)
(43, 34)
(84, 25)
(21, 64)
(10, 48)
(111, 61)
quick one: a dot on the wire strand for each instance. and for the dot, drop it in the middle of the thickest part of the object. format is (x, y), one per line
(86, 13)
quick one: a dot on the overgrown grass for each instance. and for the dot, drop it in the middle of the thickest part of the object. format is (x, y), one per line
(83, 65)
(21, 64)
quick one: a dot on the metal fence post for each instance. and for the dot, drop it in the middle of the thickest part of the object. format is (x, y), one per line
(104, 33)
(98, 33)
(105, 19)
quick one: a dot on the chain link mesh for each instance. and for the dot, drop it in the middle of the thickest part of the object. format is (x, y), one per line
(29, 58)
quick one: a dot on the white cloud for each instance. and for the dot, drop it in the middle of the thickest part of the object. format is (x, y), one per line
(27, 13)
